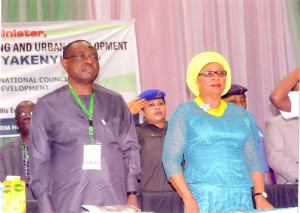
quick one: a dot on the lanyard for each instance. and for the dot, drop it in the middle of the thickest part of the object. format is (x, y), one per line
(89, 112)
(24, 150)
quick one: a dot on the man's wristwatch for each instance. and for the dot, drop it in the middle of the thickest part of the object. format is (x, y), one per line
(264, 194)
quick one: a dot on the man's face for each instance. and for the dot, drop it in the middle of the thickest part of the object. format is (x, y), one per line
(237, 100)
(81, 69)
(23, 117)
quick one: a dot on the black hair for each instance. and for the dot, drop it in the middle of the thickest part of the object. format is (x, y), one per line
(67, 48)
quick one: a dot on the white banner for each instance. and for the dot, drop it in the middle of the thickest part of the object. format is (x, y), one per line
(31, 54)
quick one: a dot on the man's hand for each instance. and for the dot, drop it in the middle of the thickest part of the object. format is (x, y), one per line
(133, 201)
(136, 105)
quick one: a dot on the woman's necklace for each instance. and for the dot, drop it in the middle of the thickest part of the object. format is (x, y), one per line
(218, 112)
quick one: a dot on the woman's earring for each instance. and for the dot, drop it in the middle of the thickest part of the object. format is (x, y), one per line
(197, 85)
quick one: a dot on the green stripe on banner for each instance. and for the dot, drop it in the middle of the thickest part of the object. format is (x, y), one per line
(46, 10)
(32, 10)
(293, 12)
(73, 31)
(61, 10)
(13, 11)
(121, 83)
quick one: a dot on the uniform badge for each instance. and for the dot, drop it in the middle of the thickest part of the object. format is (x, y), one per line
(158, 95)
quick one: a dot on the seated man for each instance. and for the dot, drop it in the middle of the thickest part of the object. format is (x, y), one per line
(236, 95)
(14, 155)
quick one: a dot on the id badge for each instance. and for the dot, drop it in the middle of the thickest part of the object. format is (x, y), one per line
(92, 156)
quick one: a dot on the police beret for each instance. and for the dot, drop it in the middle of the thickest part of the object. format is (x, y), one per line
(235, 90)
(152, 94)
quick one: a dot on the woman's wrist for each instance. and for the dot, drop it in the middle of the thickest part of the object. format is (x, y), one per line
(259, 198)
(184, 191)
(187, 196)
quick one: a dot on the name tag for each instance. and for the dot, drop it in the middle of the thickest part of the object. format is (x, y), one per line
(92, 157)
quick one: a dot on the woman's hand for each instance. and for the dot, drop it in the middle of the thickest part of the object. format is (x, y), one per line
(136, 105)
(190, 204)
(262, 203)
(259, 186)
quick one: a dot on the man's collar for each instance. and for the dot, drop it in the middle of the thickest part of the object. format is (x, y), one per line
(22, 141)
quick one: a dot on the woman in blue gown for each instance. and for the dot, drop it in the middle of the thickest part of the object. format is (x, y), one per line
(218, 141)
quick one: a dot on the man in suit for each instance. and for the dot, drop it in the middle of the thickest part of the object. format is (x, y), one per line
(14, 155)
(83, 147)
(281, 147)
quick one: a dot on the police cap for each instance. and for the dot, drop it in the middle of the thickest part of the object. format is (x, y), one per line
(235, 89)
(152, 94)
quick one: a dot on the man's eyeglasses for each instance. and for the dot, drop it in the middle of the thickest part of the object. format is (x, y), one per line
(84, 57)
(23, 114)
(212, 73)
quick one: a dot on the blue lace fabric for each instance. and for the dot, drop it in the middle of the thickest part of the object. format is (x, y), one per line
(211, 198)
(218, 151)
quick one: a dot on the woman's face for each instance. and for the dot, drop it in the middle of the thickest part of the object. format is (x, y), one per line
(211, 86)
(237, 100)
(155, 111)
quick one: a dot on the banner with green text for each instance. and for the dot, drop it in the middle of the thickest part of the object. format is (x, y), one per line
(31, 54)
